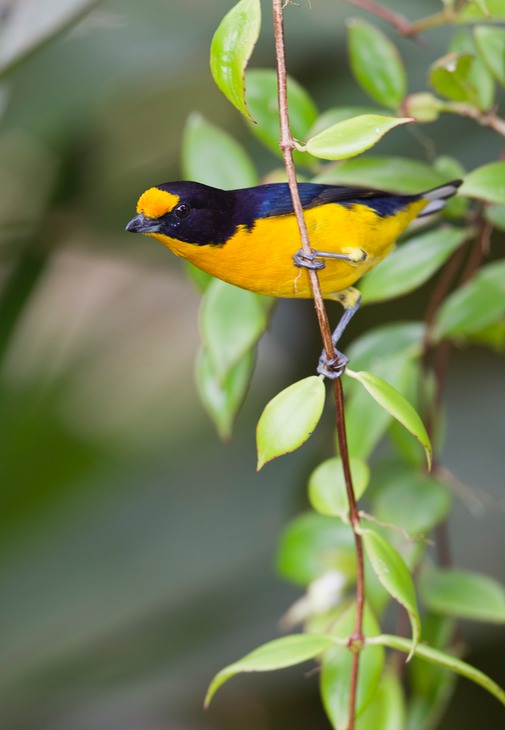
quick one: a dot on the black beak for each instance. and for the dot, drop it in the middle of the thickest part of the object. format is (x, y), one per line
(142, 224)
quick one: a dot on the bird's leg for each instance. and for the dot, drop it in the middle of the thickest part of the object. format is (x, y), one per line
(350, 299)
(316, 260)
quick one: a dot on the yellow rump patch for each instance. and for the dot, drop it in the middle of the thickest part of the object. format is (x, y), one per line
(155, 202)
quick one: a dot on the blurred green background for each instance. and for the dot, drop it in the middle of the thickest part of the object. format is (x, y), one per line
(137, 551)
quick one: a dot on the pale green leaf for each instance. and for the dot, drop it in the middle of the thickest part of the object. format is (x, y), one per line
(386, 711)
(413, 263)
(336, 669)
(313, 545)
(327, 489)
(231, 322)
(474, 306)
(450, 76)
(396, 405)
(491, 45)
(352, 136)
(289, 419)
(278, 654)
(394, 174)
(222, 397)
(231, 49)
(463, 594)
(486, 183)
(478, 76)
(376, 64)
(211, 156)
(263, 103)
(416, 502)
(395, 577)
(444, 660)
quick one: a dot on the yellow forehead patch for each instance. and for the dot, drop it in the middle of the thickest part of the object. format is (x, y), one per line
(155, 202)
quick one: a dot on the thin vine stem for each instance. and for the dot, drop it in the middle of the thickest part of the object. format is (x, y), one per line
(287, 144)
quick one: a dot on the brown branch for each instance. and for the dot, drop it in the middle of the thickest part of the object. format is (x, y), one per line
(399, 22)
(287, 145)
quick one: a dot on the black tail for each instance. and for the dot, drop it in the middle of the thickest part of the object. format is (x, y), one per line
(438, 196)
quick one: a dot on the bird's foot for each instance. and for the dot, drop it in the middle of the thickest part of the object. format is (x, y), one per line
(304, 261)
(334, 368)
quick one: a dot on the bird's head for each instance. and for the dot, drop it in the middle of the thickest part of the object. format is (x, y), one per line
(185, 211)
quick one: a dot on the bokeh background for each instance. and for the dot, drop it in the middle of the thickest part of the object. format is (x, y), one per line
(137, 551)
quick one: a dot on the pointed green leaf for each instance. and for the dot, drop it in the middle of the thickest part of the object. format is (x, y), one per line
(478, 76)
(336, 669)
(352, 136)
(327, 490)
(289, 419)
(395, 577)
(386, 711)
(263, 103)
(376, 64)
(444, 660)
(278, 654)
(495, 214)
(472, 12)
(394, 403)
(313, 545)
(222, 397)
(450, 77)
(463, 594)
(416, 502)
(474, 306)
(431, 685)
(395, 174)
(231, 322)
(482, 5)
(413, 263)
(231, 49)
(486, 183)
(491, 45)
(337, 114)
(211, 156)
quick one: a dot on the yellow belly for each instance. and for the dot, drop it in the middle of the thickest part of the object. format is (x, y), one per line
(261, 260)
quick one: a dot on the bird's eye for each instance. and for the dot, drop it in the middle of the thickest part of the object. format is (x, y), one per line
(182, 210)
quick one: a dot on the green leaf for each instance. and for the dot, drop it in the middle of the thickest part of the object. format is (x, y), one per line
(312, 545)
(352, 136)
(482, 5)
(396, 405)
(431, 684)
(474, 306)
(471, 12)
(491, 45)
(395, 577)
(30, 25)
(336, 669)
(376, 64)
(337, 114)
(211, 156)
(444, 660)
(231, 322)
(450, 77)
(413, 263)
(278, 654)
(391, 350)
(495, 214)
(386, 711)
(486, 183)
(289, 419)
(222, 397)
(478, 76)
(463, 594)
(231, 49)
(327, 490)
(416, 502)
(395, 174)
(263, 102)
(492, 336)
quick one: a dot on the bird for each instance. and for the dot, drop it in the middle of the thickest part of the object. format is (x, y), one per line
(249, 237)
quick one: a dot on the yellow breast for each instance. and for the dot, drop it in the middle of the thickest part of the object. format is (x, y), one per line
(261, 259)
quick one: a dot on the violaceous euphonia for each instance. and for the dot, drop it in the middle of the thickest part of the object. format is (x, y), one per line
(249, 237)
